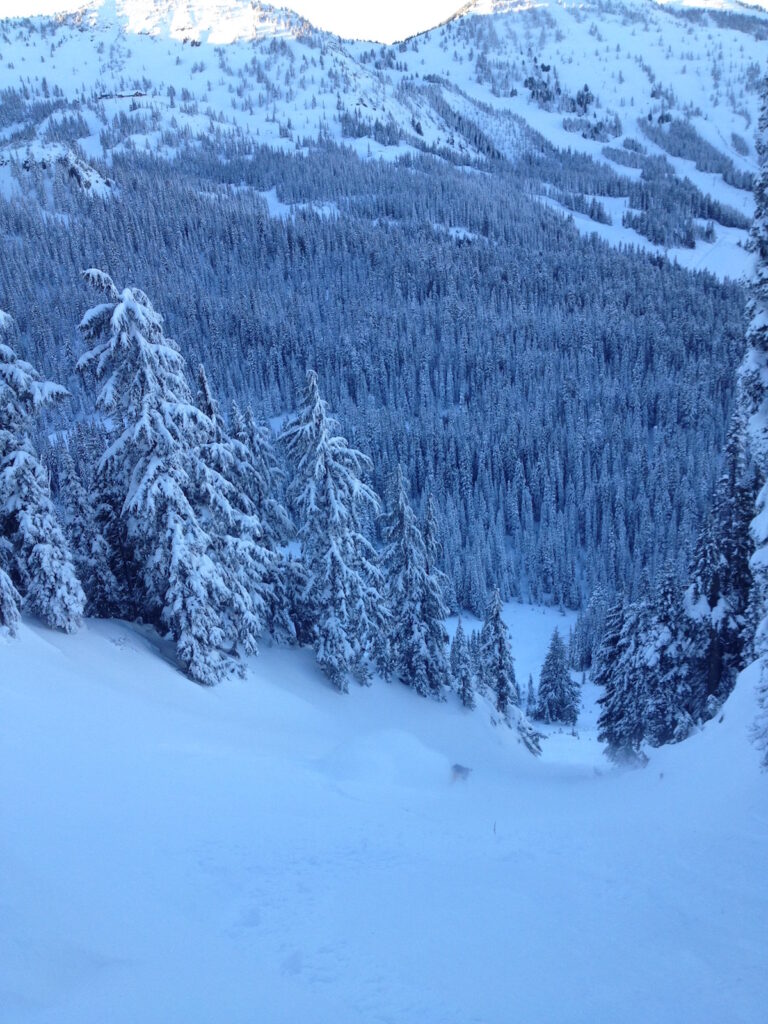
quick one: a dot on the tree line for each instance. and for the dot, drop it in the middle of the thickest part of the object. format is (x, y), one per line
(183, 520)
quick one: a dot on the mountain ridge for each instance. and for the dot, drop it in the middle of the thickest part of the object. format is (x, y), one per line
(678, 83)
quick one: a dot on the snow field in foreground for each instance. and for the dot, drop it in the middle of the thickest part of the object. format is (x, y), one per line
(269, 851)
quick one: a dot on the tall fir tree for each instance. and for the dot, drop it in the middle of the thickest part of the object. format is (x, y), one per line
(606, 651)
(413, 596)
(588, 630)
(461, 668)
(530, 698)
(264, 481)
(148, 477)
(753, 382)
(719, 594)
(434, 552)
(559, 698)
(496, 672)
(228, 513)
(622, 720)
(10, 602)
(342, 583)
(35, 559)
(669, 666)
(90, 549)
(497, 667)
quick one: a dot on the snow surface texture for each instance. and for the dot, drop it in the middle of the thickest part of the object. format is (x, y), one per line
(171, 70)
(270, 851)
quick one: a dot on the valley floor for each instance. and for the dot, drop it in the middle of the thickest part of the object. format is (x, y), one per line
(269, 851)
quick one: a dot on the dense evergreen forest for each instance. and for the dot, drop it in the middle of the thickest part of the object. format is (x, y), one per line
(564, 404)
(335, 399)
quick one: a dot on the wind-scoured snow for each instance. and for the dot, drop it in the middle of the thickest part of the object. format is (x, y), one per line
(269, 850)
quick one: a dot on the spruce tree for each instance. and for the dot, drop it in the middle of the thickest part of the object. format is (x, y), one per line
(413, 596)
(263, 481)
(228, 513)
(496, 672)
(622, 721)
(669, 660)
(559, 698)
(607, 648)
(149, 477)
(434, 552)
(10, 602)
(342, 583)
(497, 668)
(90, 548)
(461, 668)
(721, 578)
(35, 559)
(753, 381)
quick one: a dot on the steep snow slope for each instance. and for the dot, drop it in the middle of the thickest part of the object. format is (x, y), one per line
(270, 851)
(154, 75)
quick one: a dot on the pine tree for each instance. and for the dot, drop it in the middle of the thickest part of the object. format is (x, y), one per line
(342, 584)
(412, 595)
(228, 514)
(558, 698)
(668, 667)
(607, 649)
(719, 594)
(434, 552)
(90, 549)
(461, 669)
(753, 382)
(10, 602)
(622, 721)
(473, 650)
(35, 559)
(530, 699)
(263, 481)
(497, 668)
(454, 652)
(149, 475)
(588, 631)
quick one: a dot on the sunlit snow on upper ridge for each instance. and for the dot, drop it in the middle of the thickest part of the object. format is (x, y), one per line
(219, 21)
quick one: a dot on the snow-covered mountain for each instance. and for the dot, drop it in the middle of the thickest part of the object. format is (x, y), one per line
(617, 81)
(408, 223)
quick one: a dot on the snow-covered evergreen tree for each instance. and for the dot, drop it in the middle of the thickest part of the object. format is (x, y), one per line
(559, 698)
(753, 380)
(10, 602)
(718, 597)
(228, 514)
(530, 698)
(622, 721)
(90, 548)
(497, 667)
(150, 475)
(434, 552)
(461, 668)
(670, 664)
(263, 481)
(413, 596)
(342, 584)
(588, 630)
(606, 652)
(35, 559)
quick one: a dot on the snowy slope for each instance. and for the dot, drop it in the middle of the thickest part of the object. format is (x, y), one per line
(171, 70)
(270, 851)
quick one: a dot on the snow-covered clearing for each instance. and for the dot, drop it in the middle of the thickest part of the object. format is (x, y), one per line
(271, 851)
